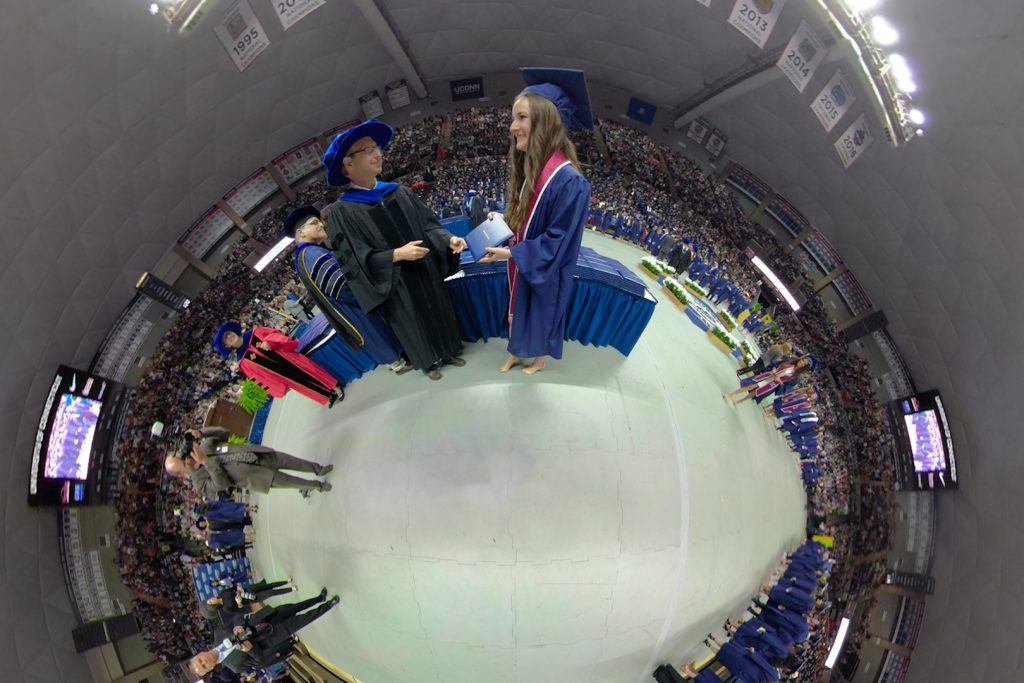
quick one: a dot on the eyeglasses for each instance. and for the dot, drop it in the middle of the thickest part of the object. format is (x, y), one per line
(368, 151)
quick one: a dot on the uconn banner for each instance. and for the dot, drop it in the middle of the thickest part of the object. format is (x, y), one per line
(467, 89)
(833, 101)
(854, 141)
(802, 56)
(756, 19)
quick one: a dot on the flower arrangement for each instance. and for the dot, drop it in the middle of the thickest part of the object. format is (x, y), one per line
(728, 322)
(695, 288)
(253, 397)
(656, 267)
(676, 289)
(723, 336)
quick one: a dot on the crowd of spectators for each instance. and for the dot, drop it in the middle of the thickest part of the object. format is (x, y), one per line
(414, 147)
(647, 184)
(182, 380)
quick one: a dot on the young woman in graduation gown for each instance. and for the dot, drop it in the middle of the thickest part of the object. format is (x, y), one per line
(549, 203)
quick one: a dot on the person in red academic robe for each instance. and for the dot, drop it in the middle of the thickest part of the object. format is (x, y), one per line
(269, 358)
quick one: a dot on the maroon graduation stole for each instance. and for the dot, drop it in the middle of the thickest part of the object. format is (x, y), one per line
(554, 164)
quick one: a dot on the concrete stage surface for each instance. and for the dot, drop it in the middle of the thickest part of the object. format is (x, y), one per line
(579, 526)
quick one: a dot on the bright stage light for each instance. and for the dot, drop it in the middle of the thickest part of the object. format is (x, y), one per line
(863, 5)
(274, 252)
(837, 646)
(883, 32)
(916, 116)
(154, 8)
(776, 282)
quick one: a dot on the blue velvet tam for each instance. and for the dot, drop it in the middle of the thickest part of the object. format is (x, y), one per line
(334, 157)
(566, 89)
(296, 218)
(218, 337)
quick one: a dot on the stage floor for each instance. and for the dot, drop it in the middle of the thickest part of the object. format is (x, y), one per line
(582, 525)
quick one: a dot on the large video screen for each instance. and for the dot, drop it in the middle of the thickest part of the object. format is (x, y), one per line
(72, 439)
(70, 442)
(925, 447)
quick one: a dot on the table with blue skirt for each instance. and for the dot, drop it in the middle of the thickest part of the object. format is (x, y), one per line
(610, 305)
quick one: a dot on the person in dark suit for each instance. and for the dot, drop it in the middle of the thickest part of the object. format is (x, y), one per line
(214, 465)
(264, 637)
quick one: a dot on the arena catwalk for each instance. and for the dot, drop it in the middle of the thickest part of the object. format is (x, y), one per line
(580, 525)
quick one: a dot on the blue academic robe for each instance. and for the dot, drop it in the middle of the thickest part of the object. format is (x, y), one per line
(323, 277)
(546, 259)
(762, 637)
(745, 665)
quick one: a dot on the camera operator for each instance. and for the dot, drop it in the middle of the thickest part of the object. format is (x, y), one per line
(213, 465)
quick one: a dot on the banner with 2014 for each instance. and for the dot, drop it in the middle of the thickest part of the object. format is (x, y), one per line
(802, 56)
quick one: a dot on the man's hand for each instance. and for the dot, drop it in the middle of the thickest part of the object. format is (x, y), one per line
(198, 455)
(238, 630)
(457, 244)
(246, 646)
(263, 345)
(409, 252)
(496, 254)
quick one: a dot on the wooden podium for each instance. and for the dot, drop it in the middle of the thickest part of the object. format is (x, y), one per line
(230, 416)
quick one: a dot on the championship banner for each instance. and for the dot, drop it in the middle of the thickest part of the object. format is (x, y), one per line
(833, 101)
(716, 143)
(467, 89)
(698, 131)
(242, 34)
(371, 105)
(854, 141)
(802, 56)
(398, 94)
(641, 111)
(289, 12)
(756, 19)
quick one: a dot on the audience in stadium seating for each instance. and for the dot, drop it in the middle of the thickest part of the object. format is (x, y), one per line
(647, 185)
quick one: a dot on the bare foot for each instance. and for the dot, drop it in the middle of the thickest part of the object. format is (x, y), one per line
(535, 367)
(510, 363)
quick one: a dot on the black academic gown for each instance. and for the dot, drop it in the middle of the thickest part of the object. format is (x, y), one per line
(411, 295)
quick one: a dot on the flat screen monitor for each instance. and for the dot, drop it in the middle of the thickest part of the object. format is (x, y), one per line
(72, 438)
(925, 457)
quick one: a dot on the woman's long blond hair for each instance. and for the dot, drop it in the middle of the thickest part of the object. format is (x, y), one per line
(547, 135)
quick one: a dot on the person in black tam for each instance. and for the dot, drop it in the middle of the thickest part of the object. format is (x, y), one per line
(393, 252)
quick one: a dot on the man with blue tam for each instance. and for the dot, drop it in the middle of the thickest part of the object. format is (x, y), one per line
(393, 252)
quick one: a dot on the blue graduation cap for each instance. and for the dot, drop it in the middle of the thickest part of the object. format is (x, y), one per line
(218, 337)
(296, 218)
(335, 155)
(566, 89)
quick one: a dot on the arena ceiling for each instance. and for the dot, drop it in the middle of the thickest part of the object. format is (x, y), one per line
(116, 135)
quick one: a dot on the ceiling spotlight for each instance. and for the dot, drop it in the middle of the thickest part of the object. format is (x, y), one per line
(883, 32)
(154, 8)
(916, 116)
(919, 132)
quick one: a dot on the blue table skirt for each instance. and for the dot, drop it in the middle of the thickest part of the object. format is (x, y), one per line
(460, 226)
(599, 314)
